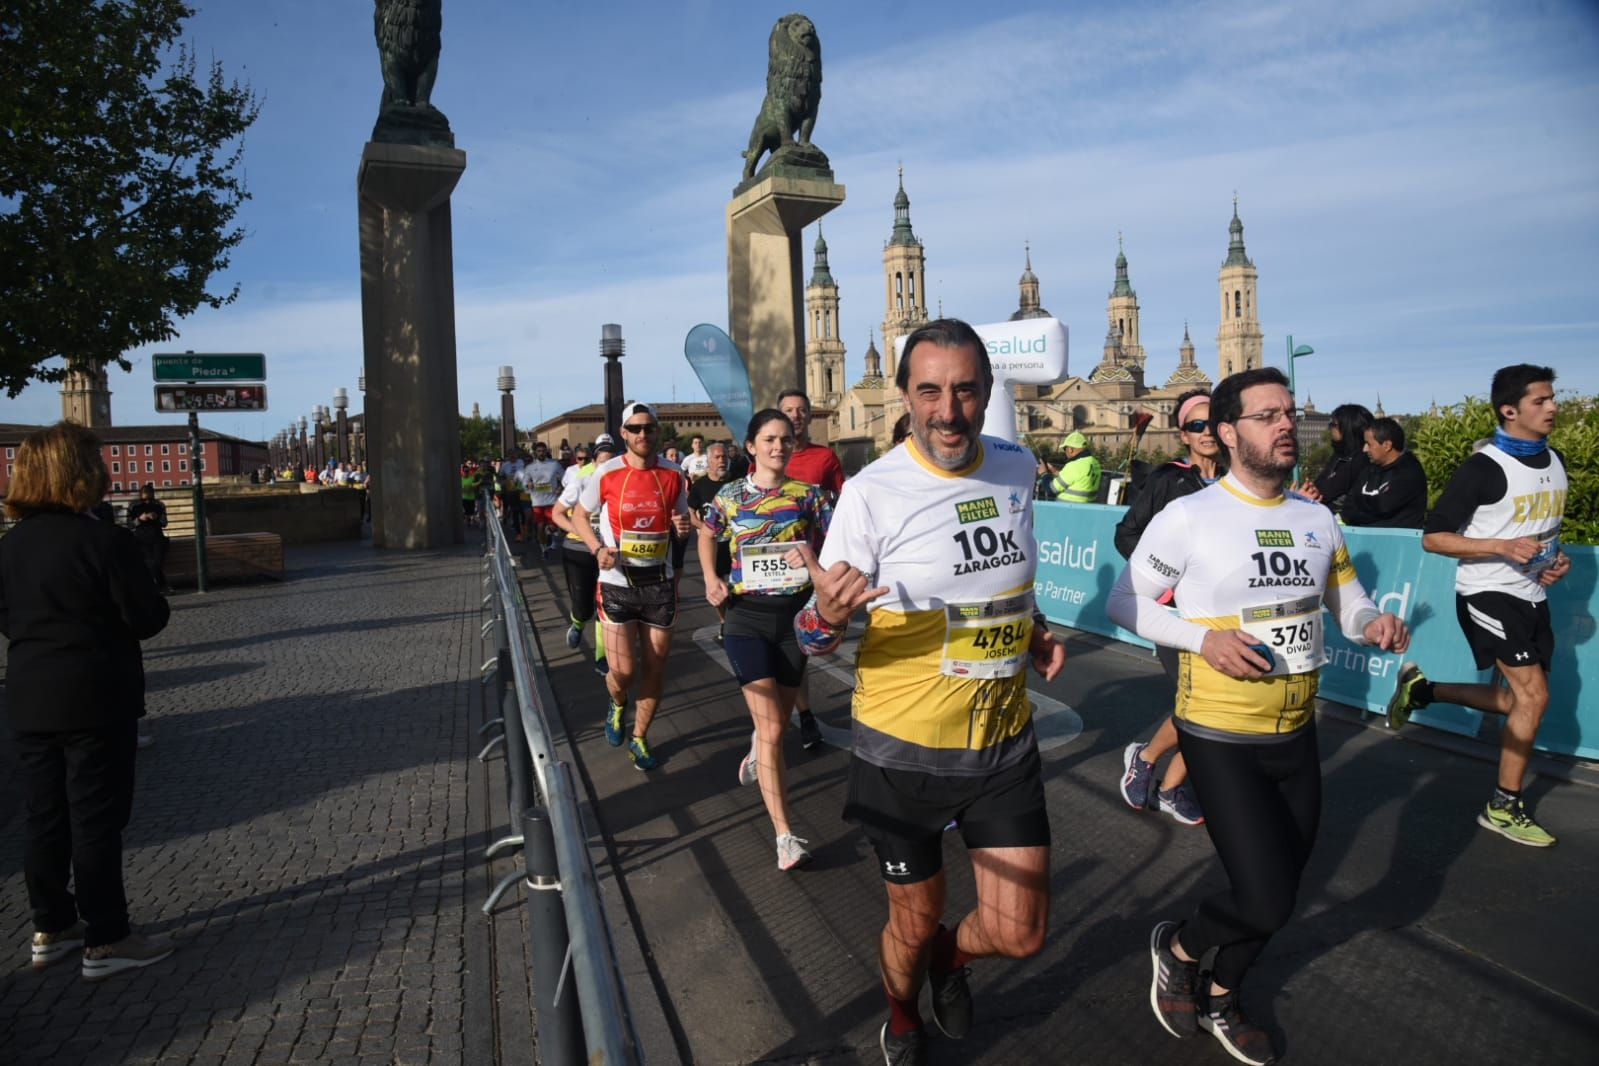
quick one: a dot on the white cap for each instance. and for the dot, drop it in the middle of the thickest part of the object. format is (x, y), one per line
(636, 408)
(604, 440)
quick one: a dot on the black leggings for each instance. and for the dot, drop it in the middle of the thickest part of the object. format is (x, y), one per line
(582, 574)
(1262, 803)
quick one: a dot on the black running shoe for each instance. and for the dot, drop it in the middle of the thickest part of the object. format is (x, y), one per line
(1242, 1039)
(1171, 991)
(907, 1050)
(810, 732)
(952, 1001)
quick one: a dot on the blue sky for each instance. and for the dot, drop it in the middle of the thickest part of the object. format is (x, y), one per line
(1419, 182)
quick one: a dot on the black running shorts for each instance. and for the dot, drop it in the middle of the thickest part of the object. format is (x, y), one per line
(759, 639)
(1502, 628)
(653, 605)
(903, 813)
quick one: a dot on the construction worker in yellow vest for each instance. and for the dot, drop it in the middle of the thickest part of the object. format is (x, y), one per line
(1078, 480)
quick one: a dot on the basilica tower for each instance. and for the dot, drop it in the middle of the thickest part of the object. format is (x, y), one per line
(904, 281)
(1239, 340)
(1030, 306)
(1122, 309)
(86, 397)
(824, 352)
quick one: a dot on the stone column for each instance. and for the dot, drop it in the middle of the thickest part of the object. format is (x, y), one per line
(408, 325)
(766, 279)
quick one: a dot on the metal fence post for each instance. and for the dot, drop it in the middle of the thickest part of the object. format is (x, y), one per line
(560, 1024)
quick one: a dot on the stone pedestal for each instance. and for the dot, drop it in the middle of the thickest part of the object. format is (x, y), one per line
(766, 280)
(408, 328)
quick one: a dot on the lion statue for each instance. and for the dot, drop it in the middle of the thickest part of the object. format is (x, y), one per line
(793, 90)
(408, 46)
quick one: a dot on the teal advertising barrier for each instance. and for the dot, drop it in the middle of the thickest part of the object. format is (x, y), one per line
(1078, 563)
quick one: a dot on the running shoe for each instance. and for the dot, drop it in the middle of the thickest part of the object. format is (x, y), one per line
(1138, 777)
(130, 953)
(51, 948)
(810, 732)
(574, 635)
(748, 767)
(952, 1001)
(791, 851)
(1242, 1038)
(1180, 803)
(638, 749)
(613, 725)
(1403, 702)
(1512, 822)
(907, 1050)
(601, 667)
(1171, 990)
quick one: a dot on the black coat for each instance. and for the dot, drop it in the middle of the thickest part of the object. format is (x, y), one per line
(75, 600)
(1338, 477)
(1392, 496)
(1163, 485)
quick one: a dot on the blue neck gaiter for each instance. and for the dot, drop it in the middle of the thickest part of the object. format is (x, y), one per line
(1521, 449)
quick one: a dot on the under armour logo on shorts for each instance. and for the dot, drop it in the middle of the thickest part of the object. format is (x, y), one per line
(896, 869)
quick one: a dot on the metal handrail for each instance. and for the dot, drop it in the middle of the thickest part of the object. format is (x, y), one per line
(596, 975)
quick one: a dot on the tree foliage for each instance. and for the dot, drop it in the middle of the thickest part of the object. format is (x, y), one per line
(1444, 440)
(480, 437)
(119, 181)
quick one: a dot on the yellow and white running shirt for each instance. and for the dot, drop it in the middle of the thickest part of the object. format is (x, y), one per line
(939, 680)
(1236, 561)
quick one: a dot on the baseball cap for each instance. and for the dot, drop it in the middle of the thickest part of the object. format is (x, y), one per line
(1074, 439)
(604, 440)
(636, 408)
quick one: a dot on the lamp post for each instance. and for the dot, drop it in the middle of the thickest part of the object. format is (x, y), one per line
(1294, 355)
(506, 383)
(359, 445)
(611, 348)
(341, 433)
(305, 448)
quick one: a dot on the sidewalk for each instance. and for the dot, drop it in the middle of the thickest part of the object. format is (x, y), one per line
(1420, 938)
(308, 827)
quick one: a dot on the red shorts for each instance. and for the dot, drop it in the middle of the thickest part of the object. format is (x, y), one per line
(541, 516)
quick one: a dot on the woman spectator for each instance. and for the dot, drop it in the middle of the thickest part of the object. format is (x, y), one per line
(1348, 433)
(75, 600)
(764, 515)
(148, 520)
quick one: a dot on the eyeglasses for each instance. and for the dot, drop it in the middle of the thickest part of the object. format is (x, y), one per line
(1198, 425)
(1272, 415)
(640, 428)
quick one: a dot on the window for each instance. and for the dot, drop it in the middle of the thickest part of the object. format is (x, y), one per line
(167, 483)
(166, 449)
(116, 468)
(183, 464)
(116, 486)
(827, 323)
(166, 466)
(149, 464)
(1238, 304)
(113, 451)
(183, 449)
(9, 468)
(149, 449)
(912, 289)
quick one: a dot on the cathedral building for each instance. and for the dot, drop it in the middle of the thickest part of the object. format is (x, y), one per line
(86, 397)
(1105, 403)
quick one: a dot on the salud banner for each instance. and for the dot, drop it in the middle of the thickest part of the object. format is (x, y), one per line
(1078, 563)
(720, 366)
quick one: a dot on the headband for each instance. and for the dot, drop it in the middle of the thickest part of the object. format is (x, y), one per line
(1188, 405)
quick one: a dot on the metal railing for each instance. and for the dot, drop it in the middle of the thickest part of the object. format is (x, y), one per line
(583, 1014)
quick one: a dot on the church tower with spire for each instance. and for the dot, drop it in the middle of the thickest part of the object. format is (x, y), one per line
(1122, 309)
(1187, 375)
(824, 352)
(904, 280)
(1030, 306)
(1239, 340)
(86, 397)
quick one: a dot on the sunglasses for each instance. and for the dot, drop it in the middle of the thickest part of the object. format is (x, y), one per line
(1197, 425)
(642, 427)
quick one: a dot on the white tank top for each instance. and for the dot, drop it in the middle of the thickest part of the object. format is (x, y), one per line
(1532, 506)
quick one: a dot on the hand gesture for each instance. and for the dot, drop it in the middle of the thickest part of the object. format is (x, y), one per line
(1521, 549)
(1387, 632)
(1556, 570)
(1307, 489)
(1229, 651)
(840, 589)
(1048, 653)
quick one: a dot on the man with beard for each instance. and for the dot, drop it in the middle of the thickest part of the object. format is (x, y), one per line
(937, 537)
(1250, 569)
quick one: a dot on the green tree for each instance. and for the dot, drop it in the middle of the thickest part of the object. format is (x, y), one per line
(118, 183)
(480, 437)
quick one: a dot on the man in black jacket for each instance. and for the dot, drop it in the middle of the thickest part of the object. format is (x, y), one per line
(1392, 491)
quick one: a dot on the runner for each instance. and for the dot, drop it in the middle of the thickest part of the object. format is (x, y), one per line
(942, 530)
(1250, 569)
(814, 464)
(764, 515)
(697, 462)
(469, 491)
(1500, 516)
(541, 478)
(700, 495)
(1178, 478)
(641, 500)
(577, 558)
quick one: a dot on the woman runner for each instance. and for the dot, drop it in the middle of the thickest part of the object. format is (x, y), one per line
(763, 515)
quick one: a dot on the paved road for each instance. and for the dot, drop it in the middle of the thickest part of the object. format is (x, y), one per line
(1419, 937)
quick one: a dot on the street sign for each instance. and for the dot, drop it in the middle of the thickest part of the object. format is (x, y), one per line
(238, 366)
(175, 398)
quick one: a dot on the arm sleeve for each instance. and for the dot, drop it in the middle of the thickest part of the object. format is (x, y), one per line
(821, 519)
(589, 495)
(1160, 558)
(569, 494)
(1143, 508)
(833, 480)
(1477, 482)
(1346, 597)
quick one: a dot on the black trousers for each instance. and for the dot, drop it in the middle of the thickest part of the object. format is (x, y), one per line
(582, 574)
(78, 795)
(154, 550)
(1262, 805)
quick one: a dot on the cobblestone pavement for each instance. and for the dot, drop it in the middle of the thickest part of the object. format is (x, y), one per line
(302, 828)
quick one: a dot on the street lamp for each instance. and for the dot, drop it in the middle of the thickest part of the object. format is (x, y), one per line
(1294, 355)
(341, 400)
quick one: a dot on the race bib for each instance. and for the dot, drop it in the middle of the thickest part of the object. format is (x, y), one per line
(988, 640)
(642, 549)
(764, 568)
(1292, 632)
(1548, 550)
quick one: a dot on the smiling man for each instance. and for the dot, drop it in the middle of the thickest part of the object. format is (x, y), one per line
(937, 538)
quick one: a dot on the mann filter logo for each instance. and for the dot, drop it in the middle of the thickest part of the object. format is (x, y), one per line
(1260, 614)
(976, 510)
(1274, 538)
(966, 610)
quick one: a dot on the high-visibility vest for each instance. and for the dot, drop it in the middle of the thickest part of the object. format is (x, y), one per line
(1078, 480)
